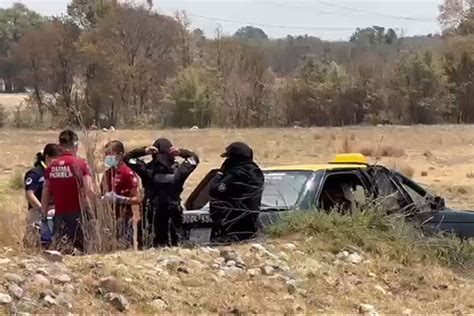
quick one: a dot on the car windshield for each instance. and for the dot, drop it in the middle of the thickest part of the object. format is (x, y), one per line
(283, 188)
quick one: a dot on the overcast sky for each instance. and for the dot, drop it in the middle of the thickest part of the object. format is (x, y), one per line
(327, 19)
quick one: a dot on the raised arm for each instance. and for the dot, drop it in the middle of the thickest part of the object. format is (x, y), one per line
(190, 163)
(131, 159)
(135, 154)
(221, 185)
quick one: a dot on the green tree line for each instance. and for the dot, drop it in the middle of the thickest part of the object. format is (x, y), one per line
(120, 64)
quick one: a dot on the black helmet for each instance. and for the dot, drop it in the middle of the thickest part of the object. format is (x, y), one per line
(238, 151)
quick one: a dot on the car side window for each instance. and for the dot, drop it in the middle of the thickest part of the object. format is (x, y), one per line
(342, 191)
(415, 197)
(416, 192)
(387, 191)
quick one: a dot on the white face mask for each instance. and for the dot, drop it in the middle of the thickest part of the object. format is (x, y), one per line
(111, 161)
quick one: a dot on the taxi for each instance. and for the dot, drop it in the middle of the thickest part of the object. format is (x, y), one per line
(344, 184)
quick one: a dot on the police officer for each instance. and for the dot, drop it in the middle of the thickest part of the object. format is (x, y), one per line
(163, 180)
(34, 180)
(235, 195)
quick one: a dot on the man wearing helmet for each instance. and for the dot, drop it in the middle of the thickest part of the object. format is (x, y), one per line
(235, 194)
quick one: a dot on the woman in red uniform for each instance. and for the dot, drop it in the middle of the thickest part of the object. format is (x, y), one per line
(120, 188)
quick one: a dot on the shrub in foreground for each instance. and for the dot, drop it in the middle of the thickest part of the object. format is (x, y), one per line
(374, 231)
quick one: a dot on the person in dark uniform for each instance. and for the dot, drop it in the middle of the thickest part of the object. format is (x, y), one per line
(34, 180)
(163, 179)
(235, 195)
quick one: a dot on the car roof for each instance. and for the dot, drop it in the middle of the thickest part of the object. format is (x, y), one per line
(316, 167)
(341, 161)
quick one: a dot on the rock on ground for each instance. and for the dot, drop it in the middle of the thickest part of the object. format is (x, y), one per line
(42, 271)
(289, 246)
(253, 272)
(53, 255)
(210, 250)
(228, 254)
(268, 270)
(118, 301)
(49, 300)
(367, 309)
(16, 291)
(15, 278)
(349, 257)
(4, 261)
(110, 284)
(259, 248)
(62, 278)
(159, 303)
(41, 280)
(291, 286)
(5, 299)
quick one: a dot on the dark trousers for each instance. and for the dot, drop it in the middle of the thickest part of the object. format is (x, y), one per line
(68, 232)
(234, 224)
(164, 225)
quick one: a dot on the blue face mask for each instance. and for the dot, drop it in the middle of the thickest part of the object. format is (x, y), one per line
(110, 161)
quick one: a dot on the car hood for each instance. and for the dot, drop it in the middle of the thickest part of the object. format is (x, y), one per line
(450, 216)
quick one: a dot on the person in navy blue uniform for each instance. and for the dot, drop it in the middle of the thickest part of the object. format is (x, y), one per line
(34, 180)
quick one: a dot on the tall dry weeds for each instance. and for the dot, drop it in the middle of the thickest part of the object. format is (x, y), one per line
(99, 220)
(12, 225)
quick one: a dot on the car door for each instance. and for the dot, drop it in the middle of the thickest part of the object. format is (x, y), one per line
(199, 197)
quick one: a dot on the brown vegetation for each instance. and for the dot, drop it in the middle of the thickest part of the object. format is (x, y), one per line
(121, 64)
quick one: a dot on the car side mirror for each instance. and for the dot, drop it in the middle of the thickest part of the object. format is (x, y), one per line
(439, 203)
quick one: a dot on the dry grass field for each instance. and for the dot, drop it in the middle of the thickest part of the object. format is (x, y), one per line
(441, 157)
(11, 101)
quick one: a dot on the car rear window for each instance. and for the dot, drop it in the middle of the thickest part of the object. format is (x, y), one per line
(284, 188)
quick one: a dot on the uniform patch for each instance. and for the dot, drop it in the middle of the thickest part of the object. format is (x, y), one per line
(28, 181)
(192, 161)
(132, 161)
(222, 187)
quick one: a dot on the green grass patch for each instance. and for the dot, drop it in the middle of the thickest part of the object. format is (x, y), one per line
(373, 231)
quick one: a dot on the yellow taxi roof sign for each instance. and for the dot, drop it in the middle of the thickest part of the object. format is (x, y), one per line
(354, 158)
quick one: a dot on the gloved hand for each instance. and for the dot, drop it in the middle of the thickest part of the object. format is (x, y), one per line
(114, 198)
(45, 232)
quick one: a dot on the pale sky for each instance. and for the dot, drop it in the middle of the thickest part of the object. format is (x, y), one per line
(327, 19)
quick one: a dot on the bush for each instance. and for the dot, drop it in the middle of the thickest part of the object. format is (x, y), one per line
(384, 151)
(3, 116)
(24, 117)
(16, 180)
(372, 230)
